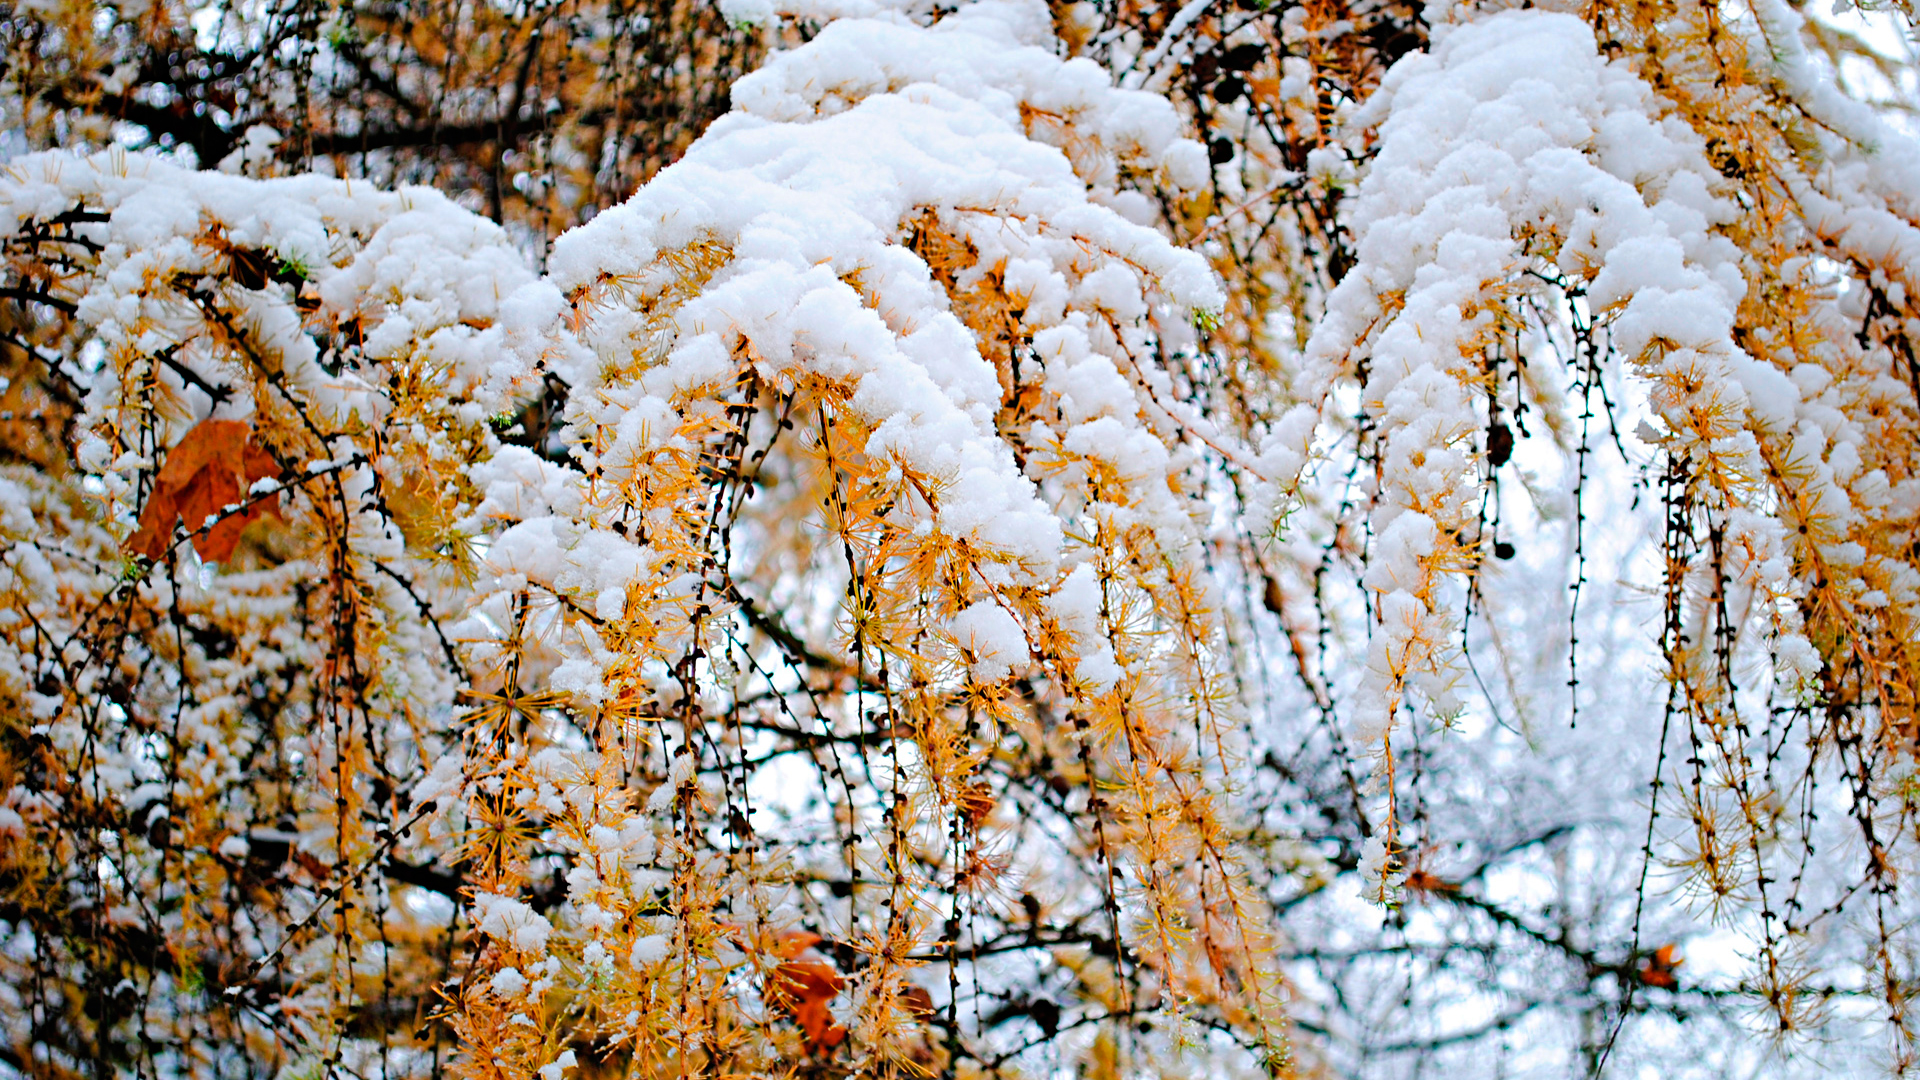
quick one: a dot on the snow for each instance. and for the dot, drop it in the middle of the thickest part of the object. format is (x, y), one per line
(1513, 125)
(992, 638)
(511, 922)
(779, 252)
(650, 951)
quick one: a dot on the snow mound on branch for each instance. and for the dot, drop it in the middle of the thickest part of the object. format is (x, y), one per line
(804, 198)
(1866, 200)
(224, 292)
(1513, 146)
(993, 55)
(416, 271)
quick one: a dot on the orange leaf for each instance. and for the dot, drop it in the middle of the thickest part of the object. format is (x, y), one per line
(975, 803)
(1658, 969)
(917, 1002)
(1419, 881)
(210, 469)
(790, 945)
(803, 989)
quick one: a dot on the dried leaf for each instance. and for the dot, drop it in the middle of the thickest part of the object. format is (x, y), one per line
(789, 945)
(1659, 969)
(803, 989)
(976, 802)
(1421, 882)
(917, 1002)
(210, 469)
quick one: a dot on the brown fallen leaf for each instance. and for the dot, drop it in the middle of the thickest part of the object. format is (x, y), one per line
(1422, 883)
(803, 989)
(790, 944)
(917, 1002)
(210, 469)
(976, 801)
(1659, 969)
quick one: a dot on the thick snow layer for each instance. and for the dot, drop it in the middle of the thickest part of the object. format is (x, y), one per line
(802, 197)
(1513, 146)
